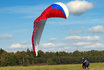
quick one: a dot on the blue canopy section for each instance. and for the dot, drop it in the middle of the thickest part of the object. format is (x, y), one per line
(56, 6)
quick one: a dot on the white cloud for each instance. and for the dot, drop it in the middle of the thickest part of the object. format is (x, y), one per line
(18, 46)
(74, 32)
(96, 29)
(15, 45)
(81, 43)
(56, 47)
(66, 48)
(24, 42)
(48, 49)
(97, 45)
(78, 7)
(5, 36)
(52, 39)
(48, 45)
(61, 45)
(83, 38)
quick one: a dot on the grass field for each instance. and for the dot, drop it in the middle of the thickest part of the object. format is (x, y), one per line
(93, 66)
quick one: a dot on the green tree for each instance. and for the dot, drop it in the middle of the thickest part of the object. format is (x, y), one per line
(12, 59)
(4, 58)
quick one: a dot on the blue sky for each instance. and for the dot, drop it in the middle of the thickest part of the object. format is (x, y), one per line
(78, 32)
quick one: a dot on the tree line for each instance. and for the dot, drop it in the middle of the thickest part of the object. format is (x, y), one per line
(28, 58)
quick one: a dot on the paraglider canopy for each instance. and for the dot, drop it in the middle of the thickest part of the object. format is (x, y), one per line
(55, 10)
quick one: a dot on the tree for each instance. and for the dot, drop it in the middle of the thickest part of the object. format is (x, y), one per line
(4, 58)
(12, 59)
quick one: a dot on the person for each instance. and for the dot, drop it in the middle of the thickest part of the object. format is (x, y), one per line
(85, 63)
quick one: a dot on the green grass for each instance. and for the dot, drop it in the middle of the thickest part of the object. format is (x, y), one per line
(93, 66)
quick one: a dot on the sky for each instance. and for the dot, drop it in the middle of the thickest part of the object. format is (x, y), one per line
(83, 30)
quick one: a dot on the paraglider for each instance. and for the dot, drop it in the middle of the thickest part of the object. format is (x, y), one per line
(55, 10)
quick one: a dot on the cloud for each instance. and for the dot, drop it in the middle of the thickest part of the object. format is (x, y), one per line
(74, 32)
(81, 43)
(20, 45)
(48, 44)
(67, 48)
(78, 7)
(97, 45)
(83, 38)
(5, 36)
(96, 29)
(24, 42)
(52, 39)
(56, 47)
